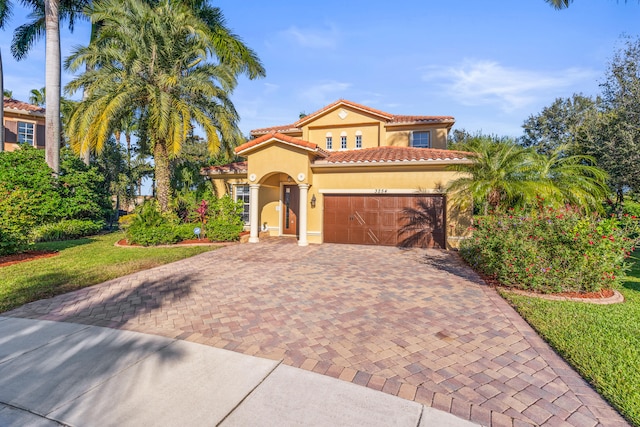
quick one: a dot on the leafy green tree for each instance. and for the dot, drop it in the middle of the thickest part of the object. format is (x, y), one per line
(615, 144)
(164, 73)
(557, 124)
(612, 134)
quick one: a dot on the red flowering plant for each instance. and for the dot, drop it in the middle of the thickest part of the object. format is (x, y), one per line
(202, 211)
(552, 250)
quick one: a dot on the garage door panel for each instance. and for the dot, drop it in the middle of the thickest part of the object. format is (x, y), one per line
(406, 220)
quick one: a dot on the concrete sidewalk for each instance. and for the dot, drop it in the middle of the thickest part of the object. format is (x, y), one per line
(63, 373)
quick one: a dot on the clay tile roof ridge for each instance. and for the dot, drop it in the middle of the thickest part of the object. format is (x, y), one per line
(11, 103)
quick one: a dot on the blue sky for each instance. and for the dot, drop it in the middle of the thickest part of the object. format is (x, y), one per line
(487, 64)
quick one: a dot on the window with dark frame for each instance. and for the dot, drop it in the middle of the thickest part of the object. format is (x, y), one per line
(421, 139)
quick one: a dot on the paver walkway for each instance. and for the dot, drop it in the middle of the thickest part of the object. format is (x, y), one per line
(413, 323)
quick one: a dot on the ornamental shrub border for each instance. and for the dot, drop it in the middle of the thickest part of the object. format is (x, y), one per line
(219, 220)
(552, 250)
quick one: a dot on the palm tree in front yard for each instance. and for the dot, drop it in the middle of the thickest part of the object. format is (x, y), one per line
(153, 59)
(503, 174)
(498, 176)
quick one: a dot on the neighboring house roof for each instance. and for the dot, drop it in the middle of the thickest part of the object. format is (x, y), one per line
(389, 119)
(230, 168)
(297, 142)
(15, 106)
(280, 129)
(388, 154)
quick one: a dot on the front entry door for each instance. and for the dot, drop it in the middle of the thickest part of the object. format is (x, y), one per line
(291, 202)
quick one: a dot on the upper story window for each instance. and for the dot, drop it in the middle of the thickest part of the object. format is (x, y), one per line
(358, 139)
(25, 132)
(343, 141)
(329, 140)
(420, 139)
(242, 193)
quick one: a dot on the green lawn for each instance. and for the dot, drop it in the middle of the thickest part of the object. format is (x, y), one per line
(601, 342)
(80, 263)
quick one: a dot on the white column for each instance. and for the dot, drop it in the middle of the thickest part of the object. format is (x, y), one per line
(254, 221)
(304, 190)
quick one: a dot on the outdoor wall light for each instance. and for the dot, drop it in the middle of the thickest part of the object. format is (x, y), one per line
(313, 201)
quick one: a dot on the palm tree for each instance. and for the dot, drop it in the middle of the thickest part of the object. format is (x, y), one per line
(5, 13)
(503, 174)
(570, 179)
(559, 4)
(498, 176)
(38, 97)
(152, 58)
(45, 16)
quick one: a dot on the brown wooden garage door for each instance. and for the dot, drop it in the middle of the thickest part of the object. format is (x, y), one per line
(385, 219)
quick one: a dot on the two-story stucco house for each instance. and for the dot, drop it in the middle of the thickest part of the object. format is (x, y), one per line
(23, 123)
(348, 173)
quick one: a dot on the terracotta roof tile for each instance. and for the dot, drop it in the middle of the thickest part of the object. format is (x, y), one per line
(422, 119)
(14, 104)
(389, 118)
(393, 155)
(235, 167)
(281, 137)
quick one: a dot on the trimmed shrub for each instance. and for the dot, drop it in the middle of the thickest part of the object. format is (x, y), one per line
(224, 219)
(553, 251)
(65, 230)
(149, 227)
(11, 243)
(163, 234)
(31, 196)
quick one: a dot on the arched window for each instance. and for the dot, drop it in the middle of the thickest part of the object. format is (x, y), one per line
(358, 139)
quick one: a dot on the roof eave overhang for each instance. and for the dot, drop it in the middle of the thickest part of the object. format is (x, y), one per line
(390, 164)
(248, 150)
(235, 173)
(24, 112)
(449, 123)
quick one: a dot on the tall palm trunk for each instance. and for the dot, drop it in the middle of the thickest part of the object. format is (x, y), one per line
(1, 106)
(163, 175)
(52, 84)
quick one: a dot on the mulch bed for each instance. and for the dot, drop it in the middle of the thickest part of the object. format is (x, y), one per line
(8, 260)
(601, 294)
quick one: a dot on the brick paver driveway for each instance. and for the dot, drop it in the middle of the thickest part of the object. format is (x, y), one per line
(413, 323)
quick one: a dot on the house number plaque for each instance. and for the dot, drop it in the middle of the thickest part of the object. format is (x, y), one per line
(380, 190)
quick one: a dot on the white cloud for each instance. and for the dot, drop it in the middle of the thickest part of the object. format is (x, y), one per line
(325, 93)
(490, 83)
(312, 38)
